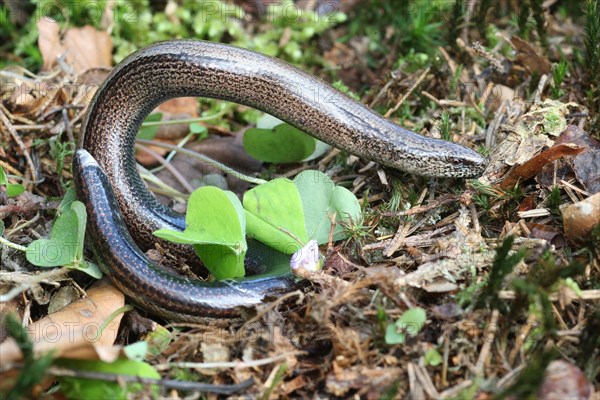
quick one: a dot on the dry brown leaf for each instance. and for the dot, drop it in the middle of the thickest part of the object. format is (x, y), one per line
(83, 48)
(179, 108)
(431, 276)
(533, 166)
(528, 57)
(62, 298)
(528, 203)
(528, 136)
(213, 353)
(88, 48)
(49, 42)
(73, 331)
(173, 109)
(374, 380)
(496, 95)
(581, 217)
(298, 382)
(548, 233)
(563, 380)
(587, 164)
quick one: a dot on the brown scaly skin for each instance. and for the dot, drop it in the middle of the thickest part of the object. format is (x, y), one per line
(196, 68)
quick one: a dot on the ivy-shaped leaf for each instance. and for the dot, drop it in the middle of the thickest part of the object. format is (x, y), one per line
(215, 226)
(281, 144)
(321, 199)
(275, 216)
(65, 246)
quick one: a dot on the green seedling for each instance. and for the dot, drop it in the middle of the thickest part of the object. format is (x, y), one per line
(409, 324)
(65, 246)
(12, 189)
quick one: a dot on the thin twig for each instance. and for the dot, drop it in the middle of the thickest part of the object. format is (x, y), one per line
(231, 364)
(410, 90)
(398, 240)
(487, 343)
(426, 381)
(585, 295)
(26, 281)
(31, 127)
(423, 240)
(161, 187)
(181, 143)
(68, 127)
(15, 135)
(168, 166)
(205, 159)
(394, 77)
(421, 209)
(51, 275)
(9, 169)
(183, 121)
(540, 89)
(455, 390)
(20, 225)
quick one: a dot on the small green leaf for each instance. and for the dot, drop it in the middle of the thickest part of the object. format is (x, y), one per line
(89, 268)
(410, 323)
(69, 197)
(83, 388)
(148, 132)
(320, 149)
(158, 340)
(215, 225)
(199, 130)
(12, 189)
(282, 144)
(267, 121)
(393, 336)
(177, 236)
(136, 351)
(3, 178)
(78, 208)
(50, 253)
(65, 246)
(320, 200)
(274, 215)
(433, 357)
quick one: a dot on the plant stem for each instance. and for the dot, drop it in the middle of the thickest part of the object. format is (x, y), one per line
(201, 157)
(12, 245)
(183, 121)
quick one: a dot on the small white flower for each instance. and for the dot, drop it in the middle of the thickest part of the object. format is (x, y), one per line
(307, 258)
